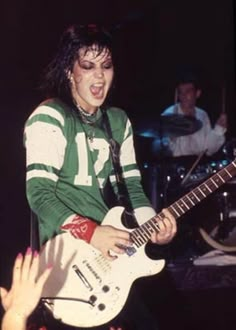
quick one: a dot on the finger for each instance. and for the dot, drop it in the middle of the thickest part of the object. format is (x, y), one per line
(3, 293)
(161, 225)
(118, 249)
(166, 222)
(171, 225)
(171, 219)
(122, 234)
(164, 232)
(174, 227)
(4, 298)
(33, 271)
(43, 277)
(110, 255)
(26, 264)
(153, 237)
(123, 243)
(17, 269)
(169, 230)
(167, 214)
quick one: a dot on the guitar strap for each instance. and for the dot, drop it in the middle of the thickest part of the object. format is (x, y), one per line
(123, 194)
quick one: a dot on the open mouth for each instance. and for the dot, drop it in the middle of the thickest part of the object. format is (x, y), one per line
(97, 90)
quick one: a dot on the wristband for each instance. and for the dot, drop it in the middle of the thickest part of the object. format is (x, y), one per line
(81, 227)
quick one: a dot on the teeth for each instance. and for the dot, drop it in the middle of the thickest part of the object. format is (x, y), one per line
(98, 85)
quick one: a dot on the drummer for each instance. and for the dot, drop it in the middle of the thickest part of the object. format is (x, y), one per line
(206, 140)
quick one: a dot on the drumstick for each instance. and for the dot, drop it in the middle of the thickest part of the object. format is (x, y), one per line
(193, 167)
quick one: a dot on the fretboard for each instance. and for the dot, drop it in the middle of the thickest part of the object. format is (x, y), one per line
(142, 234)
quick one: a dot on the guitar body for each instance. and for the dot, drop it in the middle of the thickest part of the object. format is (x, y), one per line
(96, 288)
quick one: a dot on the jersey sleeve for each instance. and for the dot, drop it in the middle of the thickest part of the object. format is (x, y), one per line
(45, 144)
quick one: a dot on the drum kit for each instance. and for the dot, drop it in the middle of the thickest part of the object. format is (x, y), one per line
(167, 178)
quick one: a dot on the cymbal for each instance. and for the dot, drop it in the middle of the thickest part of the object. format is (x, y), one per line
(173, 125)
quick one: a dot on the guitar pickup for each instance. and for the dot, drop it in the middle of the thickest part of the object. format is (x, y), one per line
(82, 277)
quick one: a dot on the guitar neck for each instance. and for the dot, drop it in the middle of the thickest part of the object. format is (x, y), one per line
(142, 234)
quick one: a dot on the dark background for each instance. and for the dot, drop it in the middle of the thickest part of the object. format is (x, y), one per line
(153, 39)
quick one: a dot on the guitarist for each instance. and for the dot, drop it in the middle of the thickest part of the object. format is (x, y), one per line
(69, 166)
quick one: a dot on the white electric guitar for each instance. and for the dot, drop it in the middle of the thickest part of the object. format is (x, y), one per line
(86, 290)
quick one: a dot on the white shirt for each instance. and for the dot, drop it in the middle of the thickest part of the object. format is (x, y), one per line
(205, 139)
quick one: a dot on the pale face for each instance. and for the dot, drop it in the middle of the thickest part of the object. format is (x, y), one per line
(188, 95)
(91, 78)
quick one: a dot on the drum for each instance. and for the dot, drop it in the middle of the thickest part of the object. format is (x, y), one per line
(185, 177)
(219, 232)
(215, 166)
(182, 176)
(166, 181)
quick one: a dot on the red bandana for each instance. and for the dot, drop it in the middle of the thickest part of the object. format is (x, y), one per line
(81, 227)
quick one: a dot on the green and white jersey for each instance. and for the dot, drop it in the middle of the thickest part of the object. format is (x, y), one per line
(68, 163)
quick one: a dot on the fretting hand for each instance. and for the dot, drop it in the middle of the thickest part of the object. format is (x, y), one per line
(167, 229)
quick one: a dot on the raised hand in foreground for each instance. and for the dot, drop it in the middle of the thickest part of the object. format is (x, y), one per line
(24, 294)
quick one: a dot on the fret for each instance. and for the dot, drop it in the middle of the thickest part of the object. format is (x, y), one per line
(155, 222)
(223, 181)
(181, 209)
(205, 189)
(208, 188)
(144, 232)
(148, 228)
(214, 182)
(139, 231)
(193, 204)
(177, 208)
(134, 239)
(211, 186)
(228, 173)
(137, 237)
(182, 205)
(138, 244)
(218, 181)
(195, 196)
(202, 192)
(186, 205)
(173, 208)
(152, 224)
